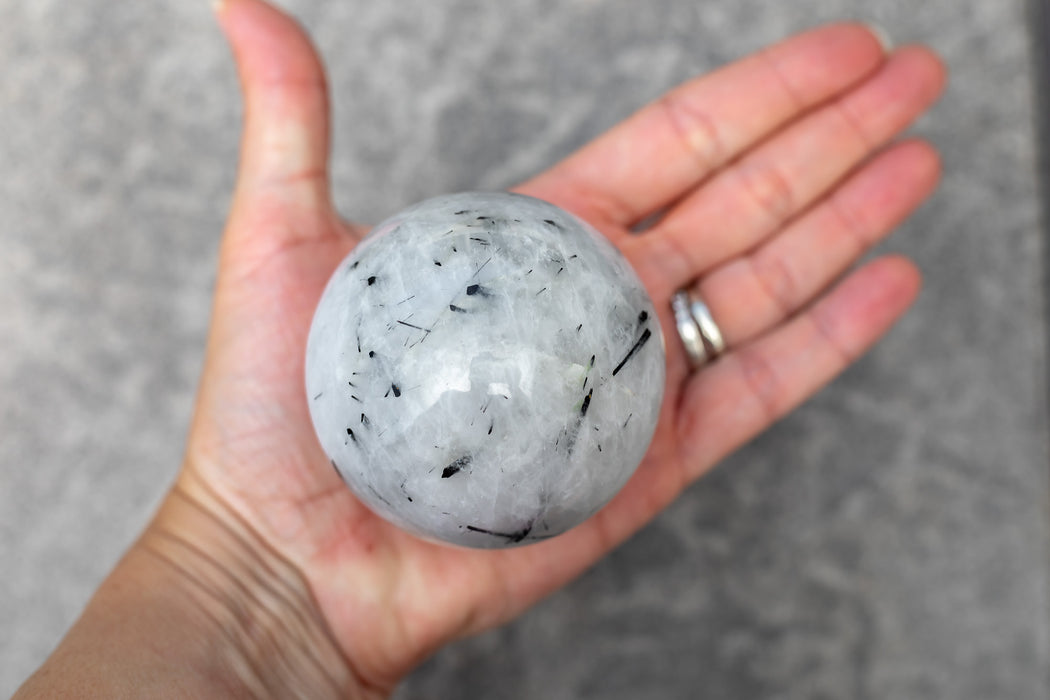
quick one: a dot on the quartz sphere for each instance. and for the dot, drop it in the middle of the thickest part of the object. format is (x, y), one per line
(485, 369)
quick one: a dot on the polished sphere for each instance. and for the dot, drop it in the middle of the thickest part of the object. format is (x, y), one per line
(485, 369)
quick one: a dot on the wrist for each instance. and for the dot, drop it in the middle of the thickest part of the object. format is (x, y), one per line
(264, 631)
(202, 607)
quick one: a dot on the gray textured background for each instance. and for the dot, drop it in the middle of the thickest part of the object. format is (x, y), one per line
(887, 540)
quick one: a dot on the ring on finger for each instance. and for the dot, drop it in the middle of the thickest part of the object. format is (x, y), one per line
(714, 341)
(688, 330)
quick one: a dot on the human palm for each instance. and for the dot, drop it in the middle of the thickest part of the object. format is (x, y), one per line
(770, 178)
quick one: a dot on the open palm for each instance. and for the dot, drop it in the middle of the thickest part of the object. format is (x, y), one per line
(770, 178)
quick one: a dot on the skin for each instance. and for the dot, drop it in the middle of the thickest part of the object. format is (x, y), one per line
(262, 575)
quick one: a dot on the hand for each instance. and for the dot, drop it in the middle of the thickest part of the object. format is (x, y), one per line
(772, 183)
(770, 177)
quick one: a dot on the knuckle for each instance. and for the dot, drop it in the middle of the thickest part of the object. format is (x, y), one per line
(777, 281)
(696, 130)
(854, 125)
(769, 190)
(762, 382)
(852, 222)
(827, 334)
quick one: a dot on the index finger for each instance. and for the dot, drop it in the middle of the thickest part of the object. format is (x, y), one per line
(661, 152)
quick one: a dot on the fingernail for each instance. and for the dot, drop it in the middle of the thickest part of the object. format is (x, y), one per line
(882, 35)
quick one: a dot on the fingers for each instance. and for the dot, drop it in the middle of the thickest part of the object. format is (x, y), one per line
(731, 401)
(667, 148)
(284, 149)
(777, 180)
(755, 292)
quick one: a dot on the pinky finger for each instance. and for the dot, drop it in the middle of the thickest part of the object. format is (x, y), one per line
(747, 390)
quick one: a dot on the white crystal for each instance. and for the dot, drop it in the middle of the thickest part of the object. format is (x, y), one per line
(485, 369)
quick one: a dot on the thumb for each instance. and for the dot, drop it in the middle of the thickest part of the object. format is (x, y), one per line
(284, 147)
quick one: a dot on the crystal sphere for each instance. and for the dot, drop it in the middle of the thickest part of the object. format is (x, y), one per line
(485, 369)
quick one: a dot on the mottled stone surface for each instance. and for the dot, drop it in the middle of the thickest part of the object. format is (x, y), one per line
(485, 369)
(889, 540)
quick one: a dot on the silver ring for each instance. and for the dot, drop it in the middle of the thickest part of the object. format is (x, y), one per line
(688, 330)
(714, 341)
